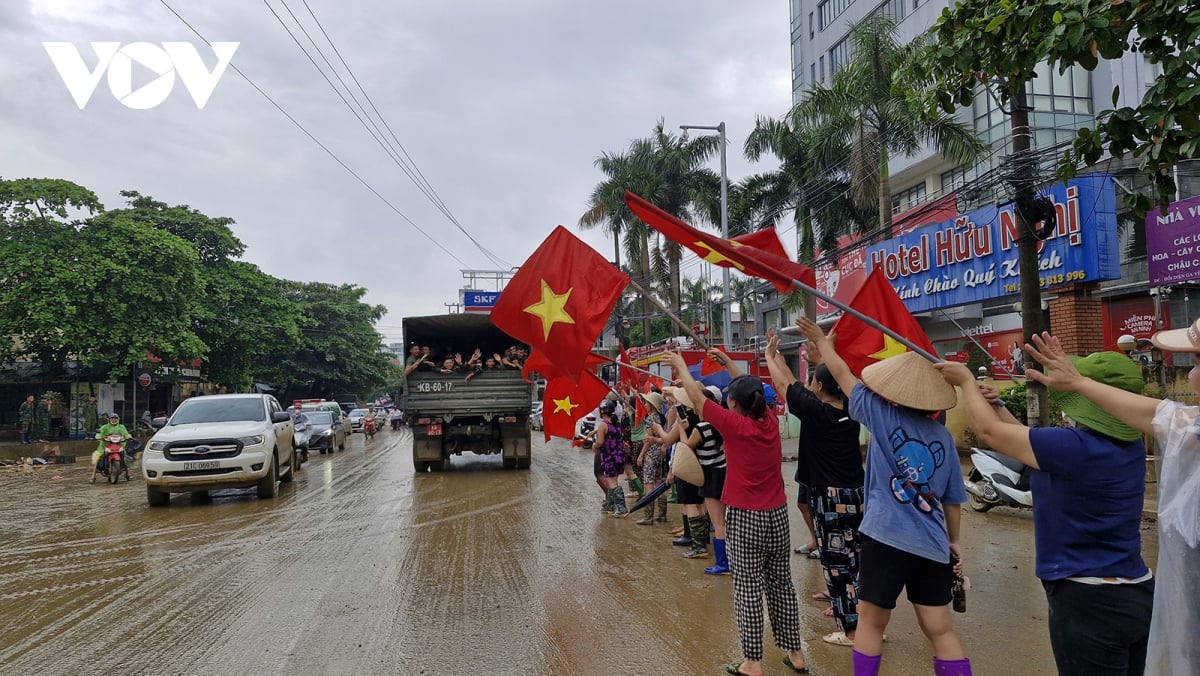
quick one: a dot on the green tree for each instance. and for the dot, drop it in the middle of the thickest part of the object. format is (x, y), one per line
(670, 169)
(872, 112)
(104, 290)
(241, 314)
(339, 349)
(979, 40)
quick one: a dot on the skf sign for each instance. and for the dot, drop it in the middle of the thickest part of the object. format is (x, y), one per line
(479, 302)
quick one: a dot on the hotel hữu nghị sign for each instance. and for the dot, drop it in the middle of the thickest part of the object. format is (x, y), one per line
(973, 257)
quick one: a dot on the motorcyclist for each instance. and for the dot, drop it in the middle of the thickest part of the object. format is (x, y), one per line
(111, 428)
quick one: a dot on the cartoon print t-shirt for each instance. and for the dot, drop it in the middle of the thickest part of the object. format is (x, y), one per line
(912, 470)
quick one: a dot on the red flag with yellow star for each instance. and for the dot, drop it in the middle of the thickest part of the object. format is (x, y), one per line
(540, 364)
(861, 345)
(566, 402)
(559, 301)
(750, 260)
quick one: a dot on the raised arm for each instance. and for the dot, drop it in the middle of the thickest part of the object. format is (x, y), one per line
(687, 382)
(777, 366)
(1059, 373)
(1008, 437)
(833, 361)
(724, 360)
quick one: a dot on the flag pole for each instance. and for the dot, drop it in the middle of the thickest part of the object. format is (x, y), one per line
(866, 320)
(670, 315)
(976, 342)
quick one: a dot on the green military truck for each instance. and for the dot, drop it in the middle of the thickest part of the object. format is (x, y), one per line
(448, 416)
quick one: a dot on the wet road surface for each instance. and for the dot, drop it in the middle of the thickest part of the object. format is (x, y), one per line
(361, 567)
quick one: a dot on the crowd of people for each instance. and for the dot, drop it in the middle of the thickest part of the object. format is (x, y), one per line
(423, 358)
(889, 524)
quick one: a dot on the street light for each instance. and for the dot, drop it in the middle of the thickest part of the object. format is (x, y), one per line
(726, 325)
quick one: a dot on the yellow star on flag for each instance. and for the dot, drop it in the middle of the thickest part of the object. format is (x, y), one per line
(551, 309)
(891, 348)
(716, 257)
(565, 405)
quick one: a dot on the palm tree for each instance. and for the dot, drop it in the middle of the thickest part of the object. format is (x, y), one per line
(675, 180)
(868, 110)
(813, 188)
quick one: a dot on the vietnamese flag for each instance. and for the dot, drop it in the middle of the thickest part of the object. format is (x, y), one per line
(566, 402)
(861, 345)
(765, 239)
(750, 260)
(539, 363)
(559, 301)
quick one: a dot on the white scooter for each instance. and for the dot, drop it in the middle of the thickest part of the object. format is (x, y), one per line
(997, 480)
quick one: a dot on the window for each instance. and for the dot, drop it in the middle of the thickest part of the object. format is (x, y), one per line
(828, 10)
(822, 68)
(839, 55)
(907, 199)
(892, 8)
(811, 35)
(955, 178)
(812, 73)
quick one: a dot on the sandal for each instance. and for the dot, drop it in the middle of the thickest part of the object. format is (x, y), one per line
(735, 669)
(838, 638)
(787, 661)
(821, 596)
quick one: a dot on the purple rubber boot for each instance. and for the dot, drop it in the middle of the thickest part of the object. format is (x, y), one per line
(866, 665)
(951, 667)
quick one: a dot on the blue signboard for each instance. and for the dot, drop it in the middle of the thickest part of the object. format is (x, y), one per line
(479, 301)
(974, 256)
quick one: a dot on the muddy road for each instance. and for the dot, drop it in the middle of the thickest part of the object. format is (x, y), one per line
(360, 567)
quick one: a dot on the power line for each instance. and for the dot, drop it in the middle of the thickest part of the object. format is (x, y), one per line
(315, 140)
(377, 134)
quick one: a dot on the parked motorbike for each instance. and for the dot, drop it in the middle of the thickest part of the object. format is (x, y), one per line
(997, 480)
(113, 458)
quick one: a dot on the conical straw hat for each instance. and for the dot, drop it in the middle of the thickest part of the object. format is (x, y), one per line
(685, 466)
(910, 380)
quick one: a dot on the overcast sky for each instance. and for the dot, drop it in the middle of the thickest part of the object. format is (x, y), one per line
(503, 107)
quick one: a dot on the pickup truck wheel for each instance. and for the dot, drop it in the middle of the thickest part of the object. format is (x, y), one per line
(523, 463)
(157, 498)
(420, 467)
(268, 486)
(510, 463)
(295, 466)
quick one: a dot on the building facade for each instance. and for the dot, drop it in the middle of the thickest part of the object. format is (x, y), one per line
(933, 198)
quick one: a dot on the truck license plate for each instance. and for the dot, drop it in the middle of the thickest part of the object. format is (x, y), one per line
(435, 430)
(207, 464)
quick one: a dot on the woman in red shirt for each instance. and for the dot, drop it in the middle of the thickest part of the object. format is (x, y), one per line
(757, 535)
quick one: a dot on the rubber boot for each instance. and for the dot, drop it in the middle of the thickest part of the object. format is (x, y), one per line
(865, 665)
(684, 540)
(662, 508)
(639, 487)
(620, 509)
(952, 667)
(647, 516)
(608, 503)
(722, 565)
(698, 525)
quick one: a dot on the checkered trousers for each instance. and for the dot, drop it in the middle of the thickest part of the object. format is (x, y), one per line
(759, 546)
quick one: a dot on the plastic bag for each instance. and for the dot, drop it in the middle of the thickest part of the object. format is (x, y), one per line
(1176, 621)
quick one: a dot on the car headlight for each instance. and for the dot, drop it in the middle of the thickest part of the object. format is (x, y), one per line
(326, 433)
(252, 441)
(157, 446)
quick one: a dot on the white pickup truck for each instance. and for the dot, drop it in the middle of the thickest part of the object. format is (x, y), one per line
(220, 441)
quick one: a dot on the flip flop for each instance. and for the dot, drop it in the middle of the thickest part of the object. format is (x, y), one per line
(787, 662)
(838, 638)
(735, 669)
(821, 596)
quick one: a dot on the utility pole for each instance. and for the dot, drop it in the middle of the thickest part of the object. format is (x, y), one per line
(1032, 319)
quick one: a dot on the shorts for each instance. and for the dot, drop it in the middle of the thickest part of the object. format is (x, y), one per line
(803, 495)
(687, 494)
(714, 482)
(885, 570)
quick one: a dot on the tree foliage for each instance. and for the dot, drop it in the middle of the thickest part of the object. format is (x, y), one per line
(979, 40)
(111, 288)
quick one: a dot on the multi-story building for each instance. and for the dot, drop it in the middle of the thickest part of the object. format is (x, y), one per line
(1091, 215)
